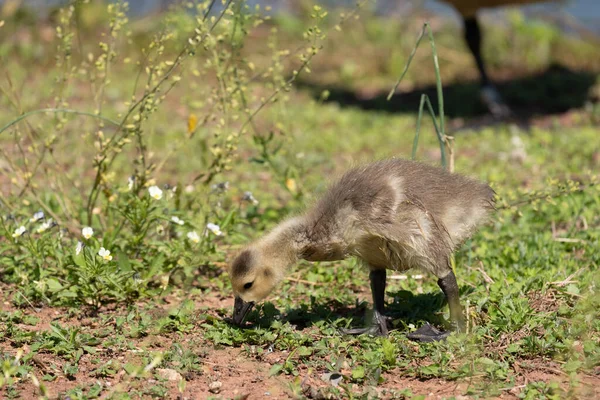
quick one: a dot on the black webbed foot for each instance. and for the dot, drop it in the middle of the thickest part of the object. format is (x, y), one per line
(373, 330)
(428, 333)
(379, 324)
(377, 328)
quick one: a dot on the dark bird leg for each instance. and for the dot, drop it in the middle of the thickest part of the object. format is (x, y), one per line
(450, 288)
(473, 39)
(428, 333)
(379, 324)
(489, 94)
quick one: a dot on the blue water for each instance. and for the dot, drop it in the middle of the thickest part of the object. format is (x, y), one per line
(567, 13)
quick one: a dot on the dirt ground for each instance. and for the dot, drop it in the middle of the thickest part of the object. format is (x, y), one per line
(230, 372)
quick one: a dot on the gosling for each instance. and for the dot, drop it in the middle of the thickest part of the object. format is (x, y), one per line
(392, 214)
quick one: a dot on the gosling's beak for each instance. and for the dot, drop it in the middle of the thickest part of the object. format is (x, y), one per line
(240, 310)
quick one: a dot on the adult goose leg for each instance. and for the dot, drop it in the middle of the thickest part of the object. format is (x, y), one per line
(473, 39)
(489, 93)
(379, 324)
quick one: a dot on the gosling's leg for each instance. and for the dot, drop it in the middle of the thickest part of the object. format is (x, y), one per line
(428, 333)
(450, 288)
(379, 325)
(489, 94)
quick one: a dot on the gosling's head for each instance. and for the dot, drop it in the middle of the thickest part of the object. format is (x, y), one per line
(253, 276)
(257, 270)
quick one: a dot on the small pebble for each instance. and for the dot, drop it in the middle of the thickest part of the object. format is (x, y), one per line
(215, 387)
(169, 374)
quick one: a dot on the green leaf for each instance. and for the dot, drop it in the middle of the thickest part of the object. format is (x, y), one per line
(30, 320)
(54, 285)
(389, 352)
(303, 351)
(358, 372)
(573, 289)
(513, 348)
(572, 366)
(432, 369)
(131, 368)
(123, 262)
(228, 219)
(275, 369)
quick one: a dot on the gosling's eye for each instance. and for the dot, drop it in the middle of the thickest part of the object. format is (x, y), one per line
(248, 285)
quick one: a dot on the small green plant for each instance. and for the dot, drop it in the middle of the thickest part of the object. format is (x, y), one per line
(11, 369)
(131, 237)
(66, 342)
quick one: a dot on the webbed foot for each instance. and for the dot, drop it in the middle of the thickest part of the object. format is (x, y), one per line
(373, 330)
(377, 328)
(493, 101)
(428, 333)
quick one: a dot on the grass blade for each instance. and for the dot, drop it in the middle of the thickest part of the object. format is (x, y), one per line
(439, 126)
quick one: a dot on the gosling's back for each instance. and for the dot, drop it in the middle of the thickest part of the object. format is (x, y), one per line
(398, 211)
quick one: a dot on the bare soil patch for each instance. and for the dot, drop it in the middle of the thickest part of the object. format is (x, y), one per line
(230, 372)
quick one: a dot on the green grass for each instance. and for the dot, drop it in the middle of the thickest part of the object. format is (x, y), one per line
(152, 320)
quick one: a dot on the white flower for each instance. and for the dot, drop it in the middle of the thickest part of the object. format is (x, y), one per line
(130, 182)
(105, 254)
(19, 231)
(37, 216)
(155, 192)
(214, 228)
(177, 220)
(78, 248)
(87, 232)
(193, 237)
(44, 226)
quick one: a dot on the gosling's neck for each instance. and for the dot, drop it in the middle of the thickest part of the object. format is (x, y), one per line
(285, 244)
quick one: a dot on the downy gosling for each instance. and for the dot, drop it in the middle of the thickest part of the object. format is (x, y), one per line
(392, 214)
